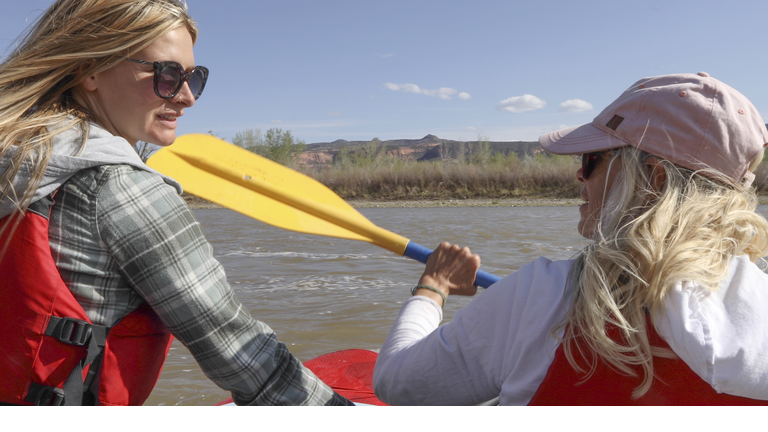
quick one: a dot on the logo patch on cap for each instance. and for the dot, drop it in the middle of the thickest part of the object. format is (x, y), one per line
(614, 122)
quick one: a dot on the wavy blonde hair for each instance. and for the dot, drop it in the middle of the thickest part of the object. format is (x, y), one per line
(72, 40)
(645, 242)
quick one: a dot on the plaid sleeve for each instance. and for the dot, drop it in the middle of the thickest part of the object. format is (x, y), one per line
(161, 250)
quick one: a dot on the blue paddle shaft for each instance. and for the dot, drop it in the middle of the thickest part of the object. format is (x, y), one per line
(420, 253)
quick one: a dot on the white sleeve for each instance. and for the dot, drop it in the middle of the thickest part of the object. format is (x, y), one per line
(722, 335)
(497, 346)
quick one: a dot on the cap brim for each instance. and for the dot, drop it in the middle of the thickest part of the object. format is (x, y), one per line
(580, 139)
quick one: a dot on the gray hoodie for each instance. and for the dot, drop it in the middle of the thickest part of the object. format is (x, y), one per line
(102, 148)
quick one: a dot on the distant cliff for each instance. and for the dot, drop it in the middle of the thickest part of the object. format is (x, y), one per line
(425, 149)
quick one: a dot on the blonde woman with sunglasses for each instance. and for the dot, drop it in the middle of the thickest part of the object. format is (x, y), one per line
(101, 260)
(668, 303)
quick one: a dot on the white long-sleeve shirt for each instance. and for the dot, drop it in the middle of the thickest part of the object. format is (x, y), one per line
(500, 344)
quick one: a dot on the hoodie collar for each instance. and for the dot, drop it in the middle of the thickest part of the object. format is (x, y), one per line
(101, 148)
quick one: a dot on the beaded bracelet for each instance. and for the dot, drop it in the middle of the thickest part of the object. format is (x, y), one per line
(427, 287)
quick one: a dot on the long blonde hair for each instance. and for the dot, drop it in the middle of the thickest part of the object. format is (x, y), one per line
(72, 40)
(646, 241)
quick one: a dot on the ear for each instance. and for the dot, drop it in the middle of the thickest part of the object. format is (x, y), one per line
(657, 173)
(89, 83)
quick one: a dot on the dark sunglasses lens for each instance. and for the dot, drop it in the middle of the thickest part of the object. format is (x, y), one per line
(168, 80)
(196, 80)
(587, 164)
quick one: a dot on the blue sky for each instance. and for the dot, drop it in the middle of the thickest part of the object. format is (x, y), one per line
(507, 70)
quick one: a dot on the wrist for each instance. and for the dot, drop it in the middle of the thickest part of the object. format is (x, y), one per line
(430, 292)
(438, 283)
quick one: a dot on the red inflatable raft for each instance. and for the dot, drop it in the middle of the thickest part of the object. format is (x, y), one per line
(348, 372)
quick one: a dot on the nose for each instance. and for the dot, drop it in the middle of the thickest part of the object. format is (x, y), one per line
(580, 175)
(185, 96)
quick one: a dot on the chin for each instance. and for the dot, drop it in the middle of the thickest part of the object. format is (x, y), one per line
(581, 233)
(163, 141)
(586, 230)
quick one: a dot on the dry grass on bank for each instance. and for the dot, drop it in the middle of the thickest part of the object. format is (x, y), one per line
(552, 177)
(530, 178)
(761, 178)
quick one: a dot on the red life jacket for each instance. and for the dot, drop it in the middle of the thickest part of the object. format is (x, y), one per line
(674, 383)
(48, 345)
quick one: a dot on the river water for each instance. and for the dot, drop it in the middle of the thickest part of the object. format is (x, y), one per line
(322, 294)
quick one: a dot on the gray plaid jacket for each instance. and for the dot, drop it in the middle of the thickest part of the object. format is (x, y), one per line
(121, 236)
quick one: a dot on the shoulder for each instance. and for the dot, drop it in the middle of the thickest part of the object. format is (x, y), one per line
(127, 186)
(128, 175)
(131, 202)
(542, 278)
(116, 176)
(536, 295)
(105, 188)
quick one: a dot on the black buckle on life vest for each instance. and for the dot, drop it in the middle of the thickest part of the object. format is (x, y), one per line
(70, 330)
(41, 395)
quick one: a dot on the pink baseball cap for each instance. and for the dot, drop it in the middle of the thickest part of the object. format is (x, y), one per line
(692, 120)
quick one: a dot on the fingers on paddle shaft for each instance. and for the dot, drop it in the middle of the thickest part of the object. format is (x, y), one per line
(421, 254)
(451, 269)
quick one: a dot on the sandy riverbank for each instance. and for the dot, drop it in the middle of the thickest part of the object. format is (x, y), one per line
(509, 202)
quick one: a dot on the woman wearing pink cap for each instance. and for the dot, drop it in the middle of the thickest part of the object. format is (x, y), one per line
(666, 306)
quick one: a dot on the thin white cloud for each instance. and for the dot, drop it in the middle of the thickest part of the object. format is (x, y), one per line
(519, 104)
(335, 113)
(276, 121)
(471, 128)
(443, 92)
(575, 106)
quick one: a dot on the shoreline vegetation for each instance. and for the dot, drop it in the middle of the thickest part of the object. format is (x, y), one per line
(505, 181)
(472, 174)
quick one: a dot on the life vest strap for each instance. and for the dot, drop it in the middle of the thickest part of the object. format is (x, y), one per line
(69, 330)
(79, 333)
(42, 395)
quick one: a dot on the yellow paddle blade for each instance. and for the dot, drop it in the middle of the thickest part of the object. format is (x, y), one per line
(257, 187)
